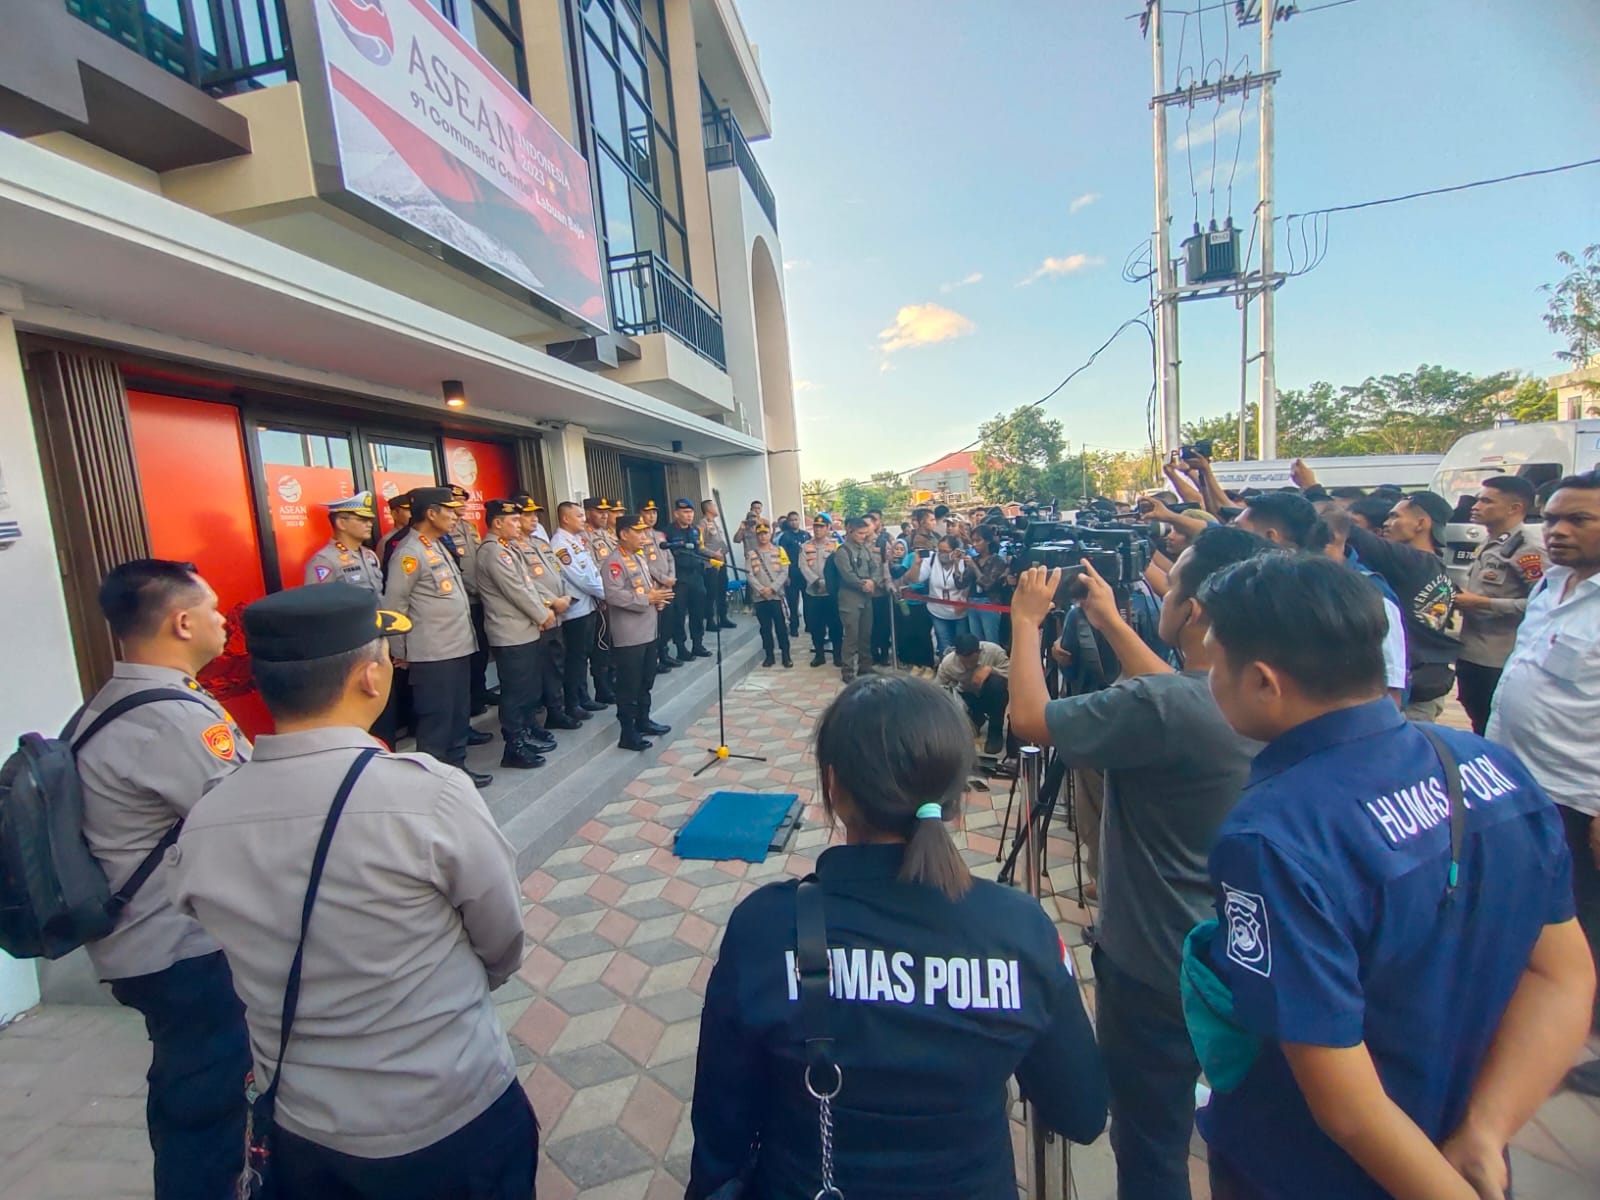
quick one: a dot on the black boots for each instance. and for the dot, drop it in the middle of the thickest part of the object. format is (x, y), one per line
(787, 660)
(767, 661)
(522, 754)
(479, 737)
(653, 727)
(818, 658)
(560, 720)
(631, 738)
(698, 650)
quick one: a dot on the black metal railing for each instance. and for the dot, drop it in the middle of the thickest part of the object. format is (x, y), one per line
(726, 147)
(648, 296)
(223, 47)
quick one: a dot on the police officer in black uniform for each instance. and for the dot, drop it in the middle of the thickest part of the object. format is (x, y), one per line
(691, 607)
(943, 987)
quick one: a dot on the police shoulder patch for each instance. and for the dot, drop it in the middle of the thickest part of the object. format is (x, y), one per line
(1249, 934)
(616, 570)
(505, 557)
(565, 556)
(408, 564)
(1531, 566)
(322, 572)
(218, 739)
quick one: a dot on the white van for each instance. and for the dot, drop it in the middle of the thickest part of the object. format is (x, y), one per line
(1539, 453)
(1407, 471)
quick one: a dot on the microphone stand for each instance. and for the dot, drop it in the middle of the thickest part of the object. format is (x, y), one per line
(720, 752)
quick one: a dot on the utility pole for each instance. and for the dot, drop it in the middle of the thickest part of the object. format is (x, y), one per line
(1166, 282)
(1269, 378)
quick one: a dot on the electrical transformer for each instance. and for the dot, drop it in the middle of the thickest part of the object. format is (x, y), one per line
(1211, 255)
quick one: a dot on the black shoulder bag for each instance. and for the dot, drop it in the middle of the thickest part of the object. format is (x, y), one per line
(256, 1182)
(1458, 802)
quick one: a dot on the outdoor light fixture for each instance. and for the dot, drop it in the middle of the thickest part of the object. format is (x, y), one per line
(455, 393)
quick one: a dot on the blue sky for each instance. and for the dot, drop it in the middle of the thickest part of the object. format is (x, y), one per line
(919, 146)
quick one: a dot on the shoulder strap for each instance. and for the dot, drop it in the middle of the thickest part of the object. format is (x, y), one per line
(1458, 805)
(811, 957)
(319, 859)
(126, 705)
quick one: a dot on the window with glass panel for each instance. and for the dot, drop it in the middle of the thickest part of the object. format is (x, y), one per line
(495, 28)
(633, 151)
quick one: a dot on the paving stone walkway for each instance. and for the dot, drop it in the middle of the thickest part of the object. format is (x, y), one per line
(604, 1014)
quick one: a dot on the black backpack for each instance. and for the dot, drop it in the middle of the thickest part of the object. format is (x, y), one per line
(54, 896)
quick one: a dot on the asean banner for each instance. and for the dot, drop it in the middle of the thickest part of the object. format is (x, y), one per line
(430, 132)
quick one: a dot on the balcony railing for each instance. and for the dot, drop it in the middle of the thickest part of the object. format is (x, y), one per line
(648, 296)
(223, 47)
(726, 147)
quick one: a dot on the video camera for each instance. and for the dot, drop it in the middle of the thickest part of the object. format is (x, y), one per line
(1118, 551)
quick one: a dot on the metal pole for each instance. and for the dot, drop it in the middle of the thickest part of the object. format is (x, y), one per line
(1166, 282)
(1269, 380)
(1244, 375)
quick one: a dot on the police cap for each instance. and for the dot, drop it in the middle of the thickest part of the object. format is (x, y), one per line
(632, 521)
(648, 506)
(422, 499)
(359, 505)
(460, 493)
(402, 500)
(598, 503)
(501, 508)
(528, 505)
(303, 623)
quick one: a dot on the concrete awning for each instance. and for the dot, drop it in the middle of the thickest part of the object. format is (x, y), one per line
(90, 256)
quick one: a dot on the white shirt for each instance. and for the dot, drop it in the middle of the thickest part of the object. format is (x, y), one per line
(577, 568)
(1394, 647)
(943, 585)
(1547, 707)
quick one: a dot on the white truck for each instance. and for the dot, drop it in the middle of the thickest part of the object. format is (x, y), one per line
(1540, 452)
(1407, 471)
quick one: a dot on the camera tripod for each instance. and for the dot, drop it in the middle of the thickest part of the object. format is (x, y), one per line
(1035, 825)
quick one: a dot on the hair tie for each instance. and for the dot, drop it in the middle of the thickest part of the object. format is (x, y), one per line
(930, 812)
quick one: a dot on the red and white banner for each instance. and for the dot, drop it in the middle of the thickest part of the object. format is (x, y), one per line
(429, 131)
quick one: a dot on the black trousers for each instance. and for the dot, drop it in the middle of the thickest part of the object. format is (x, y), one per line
(636, 677)
(200, 1056)
(1151, 1069)
(882, 614)
(600, 668)
(1475, 686)
(491, 1157)
(988, 705)
(442, 704)
(397, 712)
(552, 670)
(770, 614)
(480, 656)
(716, 580)
(822, 623)
(1585, 884)
(521, 683)
(690, 615)
(792, 591)
(578, 636)
(914, 636)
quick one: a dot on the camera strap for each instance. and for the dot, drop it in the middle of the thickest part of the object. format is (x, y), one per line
(1458, 802)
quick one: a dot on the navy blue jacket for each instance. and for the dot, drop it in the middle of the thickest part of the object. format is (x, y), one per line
(937, 1003)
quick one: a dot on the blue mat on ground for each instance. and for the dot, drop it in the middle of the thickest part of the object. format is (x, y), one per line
(734, 825)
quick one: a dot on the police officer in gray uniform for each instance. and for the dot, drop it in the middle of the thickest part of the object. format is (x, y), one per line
(142, 774)
(463, 541)
(346, 557)
(398, 1082)
(664, 570)
(425, 586)
(860, 574)
(1498, 584)
(514, 617)
(767, 565)
(633, 604)
(550, 583)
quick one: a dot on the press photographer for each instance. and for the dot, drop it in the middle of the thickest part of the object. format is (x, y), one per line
(1174, 769)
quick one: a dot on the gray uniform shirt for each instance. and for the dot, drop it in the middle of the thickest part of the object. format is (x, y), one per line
(857, 564)
(396, 1043)
(814, 562)
(425, 585)
(1506, 571)
(140, 774)
(711, 539)
(548, 581)
(466, 536)
(334, 564)
(629, 613)
(769, 570)
(512, 610)
(1174, 770)
(663, 567)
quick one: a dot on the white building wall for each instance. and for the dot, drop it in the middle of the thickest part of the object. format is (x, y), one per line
(39, 676)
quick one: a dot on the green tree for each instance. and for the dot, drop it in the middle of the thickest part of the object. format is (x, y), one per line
(1573, 310)
(816, 495)
(1019, 457)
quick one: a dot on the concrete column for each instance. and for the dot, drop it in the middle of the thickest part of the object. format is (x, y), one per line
(550, 86)
(30, 590)
(567, 466)
(691, 148)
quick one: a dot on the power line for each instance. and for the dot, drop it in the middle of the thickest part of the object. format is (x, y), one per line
(1440, 191)
(1139, 320)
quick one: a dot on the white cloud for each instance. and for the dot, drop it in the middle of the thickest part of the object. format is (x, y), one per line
(804, 385)
(796, 264)
(1223, 123)
(1054, 268)
(1082, 202)
(923, 325)
(947, 288)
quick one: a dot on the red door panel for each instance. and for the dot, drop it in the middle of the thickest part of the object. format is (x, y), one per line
(488, 470)
(195, 484)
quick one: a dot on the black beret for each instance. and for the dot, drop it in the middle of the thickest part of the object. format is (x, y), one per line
(303, 623)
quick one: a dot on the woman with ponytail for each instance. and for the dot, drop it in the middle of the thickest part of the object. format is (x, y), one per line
(942, 987)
